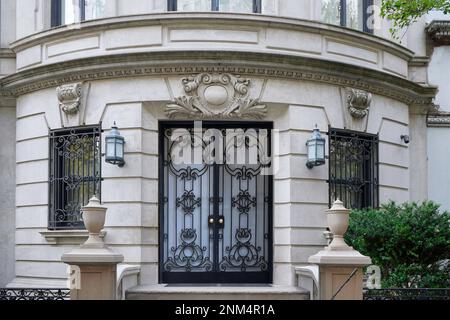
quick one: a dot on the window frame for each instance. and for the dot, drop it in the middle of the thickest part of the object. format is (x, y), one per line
(56, 12)
(371, 194)
(366, 15)
(56, 167)
(172, 6)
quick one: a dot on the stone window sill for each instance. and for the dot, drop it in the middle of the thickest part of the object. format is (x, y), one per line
(70, 237)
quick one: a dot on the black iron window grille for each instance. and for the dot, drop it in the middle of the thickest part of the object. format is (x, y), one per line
(353, 168)
(21, 294)
(244, 6)
(74, 174)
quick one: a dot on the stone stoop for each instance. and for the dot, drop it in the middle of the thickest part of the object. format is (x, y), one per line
(216, 292)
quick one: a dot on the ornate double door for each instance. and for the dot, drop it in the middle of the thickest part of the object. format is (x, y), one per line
(216, 210)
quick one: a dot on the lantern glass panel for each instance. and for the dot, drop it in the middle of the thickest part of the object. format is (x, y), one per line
(320, 150)
(110, 148)
(119, 149)
(312, 151)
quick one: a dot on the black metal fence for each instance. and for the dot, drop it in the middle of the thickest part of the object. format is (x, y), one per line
(21, 294)
(407, 294)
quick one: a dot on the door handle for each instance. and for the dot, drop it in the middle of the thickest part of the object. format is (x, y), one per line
(220, 221)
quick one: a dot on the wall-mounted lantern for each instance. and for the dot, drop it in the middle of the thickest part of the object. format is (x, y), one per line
(406, 139)
(115, 147)
(316, 150)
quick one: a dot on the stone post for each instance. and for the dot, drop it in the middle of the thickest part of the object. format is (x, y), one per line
(94, 263)
(340, 266)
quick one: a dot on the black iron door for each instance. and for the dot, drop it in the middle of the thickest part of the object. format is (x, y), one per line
(215, 210)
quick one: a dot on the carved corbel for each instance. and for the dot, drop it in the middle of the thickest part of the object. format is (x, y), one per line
(358, 102)
(69, 96)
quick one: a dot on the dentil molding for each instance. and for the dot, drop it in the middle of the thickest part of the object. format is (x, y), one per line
(216, 95)
(439, 119)
(439, 32)
(103, 68)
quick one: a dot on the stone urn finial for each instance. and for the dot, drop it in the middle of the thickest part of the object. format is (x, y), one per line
(338, 219)
(94, 219)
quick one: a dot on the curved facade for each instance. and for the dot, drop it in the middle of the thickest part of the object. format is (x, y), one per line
(291, 73)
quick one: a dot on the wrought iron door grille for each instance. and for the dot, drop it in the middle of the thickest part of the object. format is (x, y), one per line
(353, 168)
(215, 219)
(75, 174)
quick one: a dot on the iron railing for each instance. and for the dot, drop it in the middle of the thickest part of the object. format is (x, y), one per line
(22, 294)
(407, 294)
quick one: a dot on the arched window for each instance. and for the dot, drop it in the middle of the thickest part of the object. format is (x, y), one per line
(353, 14)
(241, 6)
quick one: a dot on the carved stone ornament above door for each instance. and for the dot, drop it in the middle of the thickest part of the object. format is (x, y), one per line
(359, 102)
(216, 96)
(69, 96)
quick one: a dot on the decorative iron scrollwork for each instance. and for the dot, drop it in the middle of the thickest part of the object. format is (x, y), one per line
(188, 255)
(216, 215)
(353, 168)
(75, 174)
(243, 254)
(188, 202)
(243, 202)
(23, 294)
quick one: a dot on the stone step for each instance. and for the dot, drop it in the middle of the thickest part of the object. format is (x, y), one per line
(216, 292)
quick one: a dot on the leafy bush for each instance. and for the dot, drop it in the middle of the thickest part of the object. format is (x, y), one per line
(410, 243)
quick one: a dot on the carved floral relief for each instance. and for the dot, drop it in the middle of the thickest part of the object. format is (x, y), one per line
(211, 96)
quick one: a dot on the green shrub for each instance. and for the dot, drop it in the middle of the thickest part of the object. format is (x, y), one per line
(409, 242)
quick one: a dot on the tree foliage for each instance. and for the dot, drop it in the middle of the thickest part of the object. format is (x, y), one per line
(405, 12)
(410, 243)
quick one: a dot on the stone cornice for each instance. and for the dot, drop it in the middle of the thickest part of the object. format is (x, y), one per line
(439, 119)
(439, 32)
(212, 18)
(7, 54)
(193, 62)
(419, 61)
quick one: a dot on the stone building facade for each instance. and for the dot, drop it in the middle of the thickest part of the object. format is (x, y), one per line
(156, 64)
